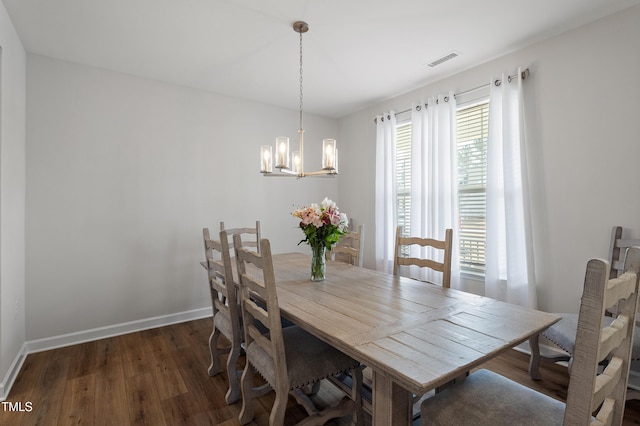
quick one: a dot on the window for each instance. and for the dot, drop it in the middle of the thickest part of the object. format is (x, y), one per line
(403, 177)
(472, 130)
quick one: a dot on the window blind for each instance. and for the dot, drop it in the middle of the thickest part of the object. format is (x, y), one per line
(472, 131)
(403, 176)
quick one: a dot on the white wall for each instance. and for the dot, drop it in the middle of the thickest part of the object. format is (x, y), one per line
(122, 175)
(12, 198)
(584, 126)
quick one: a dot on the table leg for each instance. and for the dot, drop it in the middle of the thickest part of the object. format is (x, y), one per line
(534, 360)
(391, 402)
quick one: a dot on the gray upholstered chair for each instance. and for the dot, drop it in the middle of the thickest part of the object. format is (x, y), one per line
(349, 248)
(563, 333)
(486, 398)
(427, 244)
(289, 359)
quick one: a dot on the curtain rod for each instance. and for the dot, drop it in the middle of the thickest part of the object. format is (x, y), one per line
(524, 74)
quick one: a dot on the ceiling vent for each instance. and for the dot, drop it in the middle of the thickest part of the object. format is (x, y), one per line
(444, 58)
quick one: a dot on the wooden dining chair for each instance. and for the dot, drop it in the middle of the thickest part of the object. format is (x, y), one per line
(349, 248)
(617, 249)
(225, 303)
(226, 310)
(428, 244)
(563, 333)
(487, 398)
(250, 236)
(289, 359)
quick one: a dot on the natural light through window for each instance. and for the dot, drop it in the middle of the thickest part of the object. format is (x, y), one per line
(472, 130)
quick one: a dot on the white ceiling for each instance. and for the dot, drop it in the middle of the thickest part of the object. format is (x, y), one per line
(355, 53)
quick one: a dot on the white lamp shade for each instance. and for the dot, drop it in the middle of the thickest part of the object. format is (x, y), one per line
(335, 166)
(295, 162)
(266, 159)
(329, 154)
(282, 149)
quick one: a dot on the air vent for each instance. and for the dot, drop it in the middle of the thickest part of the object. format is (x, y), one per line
(444, 58)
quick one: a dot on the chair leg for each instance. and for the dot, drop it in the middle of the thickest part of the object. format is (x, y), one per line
(356, 396)
(279, 407)
(246, 383)
(233, 394)
(534, 360)
(214, 368)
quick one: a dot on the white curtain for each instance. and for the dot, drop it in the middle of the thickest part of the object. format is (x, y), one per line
(385, 200)
(510, 273)
(434, 183)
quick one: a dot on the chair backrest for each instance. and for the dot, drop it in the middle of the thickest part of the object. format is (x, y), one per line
(617, 250)
(349, 248)
(444, 245)
(223, 291)
(251, 236)
(595, 343)
(262, 287)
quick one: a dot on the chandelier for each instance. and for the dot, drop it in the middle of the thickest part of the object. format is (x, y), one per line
(294, 166)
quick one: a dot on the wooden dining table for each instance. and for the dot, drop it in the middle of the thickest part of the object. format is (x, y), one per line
(414, 336)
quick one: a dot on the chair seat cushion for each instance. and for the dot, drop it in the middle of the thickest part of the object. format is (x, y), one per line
(308, 359)
(563, 334)
(487, 398)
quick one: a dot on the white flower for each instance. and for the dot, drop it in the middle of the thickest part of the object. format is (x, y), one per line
(328, 204)
(344, 222)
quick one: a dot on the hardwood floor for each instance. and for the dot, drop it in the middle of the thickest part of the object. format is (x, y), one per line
(159, 377)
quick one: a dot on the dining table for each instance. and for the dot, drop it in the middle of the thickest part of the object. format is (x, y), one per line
(414, 336)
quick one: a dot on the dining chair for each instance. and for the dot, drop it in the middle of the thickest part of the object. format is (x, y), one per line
(289, 359)
(617, 250)
(226, 310)
(225, 303)
(429, 248)
(487, 398)
(563, 333)
(250, 236)
(429, 245)
(349, 248)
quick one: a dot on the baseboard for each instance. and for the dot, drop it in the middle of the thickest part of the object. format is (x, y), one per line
(12, 373)
(54, 342)
(114, 330)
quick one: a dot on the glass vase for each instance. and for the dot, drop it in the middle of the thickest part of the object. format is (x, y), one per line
(318, 262)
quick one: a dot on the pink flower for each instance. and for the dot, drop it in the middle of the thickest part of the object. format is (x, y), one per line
(322, 224)
(334, 217)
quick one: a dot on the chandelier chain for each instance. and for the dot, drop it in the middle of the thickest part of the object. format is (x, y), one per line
(301, 81)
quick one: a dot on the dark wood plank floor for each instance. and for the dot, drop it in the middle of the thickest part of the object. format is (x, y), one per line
(159, 377)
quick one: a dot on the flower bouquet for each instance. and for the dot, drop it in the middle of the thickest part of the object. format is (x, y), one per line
(322, 226)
